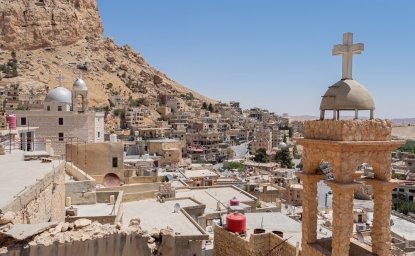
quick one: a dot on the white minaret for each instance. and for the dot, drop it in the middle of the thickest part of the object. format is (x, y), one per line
(347, 50)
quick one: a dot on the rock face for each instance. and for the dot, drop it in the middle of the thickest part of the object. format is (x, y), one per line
(65, 36)
(33, 24)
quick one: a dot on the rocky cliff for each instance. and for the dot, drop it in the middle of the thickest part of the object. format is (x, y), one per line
(32, 24)
(65, 36)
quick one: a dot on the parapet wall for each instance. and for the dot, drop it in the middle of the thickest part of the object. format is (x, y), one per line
(348, 130)
(43, 202)
(228, 243)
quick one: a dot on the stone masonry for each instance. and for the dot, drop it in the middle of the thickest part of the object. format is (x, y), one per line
(345, 144)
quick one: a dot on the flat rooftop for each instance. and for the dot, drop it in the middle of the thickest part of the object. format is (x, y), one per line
(16, 174)
(199, 173)
(403, 228)
(274, 221)
(154, 214)
(211, 195)
(98, 209)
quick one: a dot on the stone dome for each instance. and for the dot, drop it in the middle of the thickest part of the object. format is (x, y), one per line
(59, 94)
(80, 85)
(347, 94)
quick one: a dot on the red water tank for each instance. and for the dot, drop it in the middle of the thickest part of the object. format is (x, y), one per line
(236, 222)
(234, 202)
(12, 121)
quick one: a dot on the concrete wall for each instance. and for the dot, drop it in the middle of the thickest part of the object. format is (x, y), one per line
(143, 179)
(135, 192)
(104, 197)
(81, 192)
(42, 202)
(82, 189)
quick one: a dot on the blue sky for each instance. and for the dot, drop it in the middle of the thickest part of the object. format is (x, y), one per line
(273, 54)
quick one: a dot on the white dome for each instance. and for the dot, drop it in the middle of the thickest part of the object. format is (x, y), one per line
(282, 145)
(80, 85)
(59, 94)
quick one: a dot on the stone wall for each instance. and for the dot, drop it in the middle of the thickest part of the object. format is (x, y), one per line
(348, 130)
(97, 159)
(227, 243)
(105, 241)
(43, 202)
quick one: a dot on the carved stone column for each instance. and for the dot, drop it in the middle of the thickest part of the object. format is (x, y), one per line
(381, 231)
(343, 221)
(310, 203)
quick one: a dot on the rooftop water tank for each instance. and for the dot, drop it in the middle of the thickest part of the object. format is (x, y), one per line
(12, 121)
(236, 222)
(234, 202)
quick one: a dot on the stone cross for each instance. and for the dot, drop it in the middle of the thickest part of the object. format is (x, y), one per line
(59, 79)
(347, 49)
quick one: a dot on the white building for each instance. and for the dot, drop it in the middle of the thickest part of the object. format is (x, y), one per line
(65, 117)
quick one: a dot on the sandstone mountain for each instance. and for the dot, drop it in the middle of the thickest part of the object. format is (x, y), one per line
(65, 36)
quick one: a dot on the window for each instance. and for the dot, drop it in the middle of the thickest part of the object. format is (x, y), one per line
(60, 121)
(99, 134)
(23, 121)
(401, 190)
(115, 162)
(59, 108)
(60, 136)
(48, 108)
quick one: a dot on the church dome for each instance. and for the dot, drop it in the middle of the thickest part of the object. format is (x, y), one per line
(59, 94)
(282, 145)
(80, 85)
(347, 94)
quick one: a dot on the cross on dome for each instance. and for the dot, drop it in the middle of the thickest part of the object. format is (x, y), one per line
(347, 50)
(59, 79)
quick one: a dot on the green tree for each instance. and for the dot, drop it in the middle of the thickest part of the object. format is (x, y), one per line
(283, 157)
(284, 138)
(136, 102)
(290, 132)
(261, 156)
(406, 206)
(398, 176)
(210, 107)
(233, 165)
(229, 153)
(204, 105)
(409, 146)
(295, 152)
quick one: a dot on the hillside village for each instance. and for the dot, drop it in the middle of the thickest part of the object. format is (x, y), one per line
(101, 154)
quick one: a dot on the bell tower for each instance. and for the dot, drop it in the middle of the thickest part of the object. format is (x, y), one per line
(79, 96)
(345, 144)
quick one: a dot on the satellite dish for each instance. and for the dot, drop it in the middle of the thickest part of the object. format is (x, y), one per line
(176, 207)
